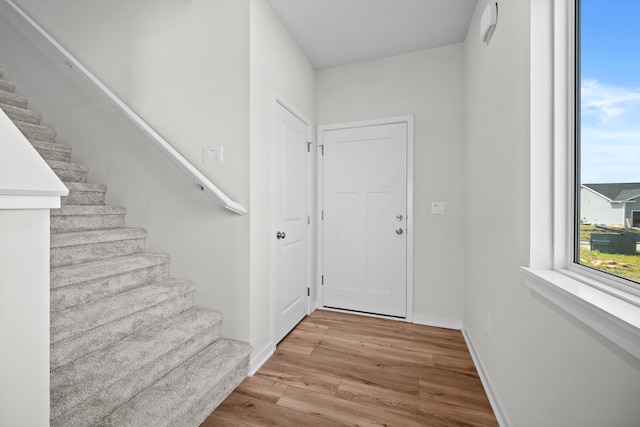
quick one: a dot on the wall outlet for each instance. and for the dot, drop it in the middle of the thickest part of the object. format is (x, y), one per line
(437, 208)
(488, 326)
(212, 154)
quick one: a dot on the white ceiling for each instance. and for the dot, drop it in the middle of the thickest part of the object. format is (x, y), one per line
(339, 32)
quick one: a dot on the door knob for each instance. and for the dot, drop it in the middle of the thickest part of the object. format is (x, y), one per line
(280, 235)
(399, 231)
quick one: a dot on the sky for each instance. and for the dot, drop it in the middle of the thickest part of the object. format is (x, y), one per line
(610, 91)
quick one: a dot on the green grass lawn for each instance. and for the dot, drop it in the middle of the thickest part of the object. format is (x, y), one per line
(627, 266)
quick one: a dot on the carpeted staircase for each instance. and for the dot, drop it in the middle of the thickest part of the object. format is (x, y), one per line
(128, 348)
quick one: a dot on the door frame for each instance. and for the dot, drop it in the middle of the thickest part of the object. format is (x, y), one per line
(408, 120)
(278, 100)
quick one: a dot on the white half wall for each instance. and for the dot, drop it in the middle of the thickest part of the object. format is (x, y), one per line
(544, 367)
(430, 85)
(24, 317)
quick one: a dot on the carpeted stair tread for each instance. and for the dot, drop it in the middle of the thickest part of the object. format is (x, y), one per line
(69, 172)
(80, 218)
(7, 86)
(132, 357)
(90, 411)
(88, 210)
(56, 164)
(10, 98)
(83, 186)
(73, 348)
(21, 114)
(53, 150)
(83, 283)
(82, 193)
(84, 317)
(36, 132)
(80, 273)
(83, 246)
(77, 238)
(177, 399)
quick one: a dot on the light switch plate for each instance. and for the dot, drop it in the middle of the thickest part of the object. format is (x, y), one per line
(437, 208)
(212, 154)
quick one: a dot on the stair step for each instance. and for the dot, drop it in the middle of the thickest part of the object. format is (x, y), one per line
(84, 329)
(84, 317)
(89, 388)
(7, 86)
(84, 246)
(36, 132)
(21, 114)
(81, 193)
(53, 151)
(83, 218)
(69, 172)
(10, 98)
(80, 284)
(73, 348)
(191, 392)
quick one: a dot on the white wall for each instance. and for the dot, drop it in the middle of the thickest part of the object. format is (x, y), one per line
(181, 65)
(276, 63)
(545, 368)
(24, 317)
(184, 67)
(430, 85)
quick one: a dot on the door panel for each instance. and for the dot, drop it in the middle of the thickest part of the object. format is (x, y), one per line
(379, 272)
(365, 210)
(289, 162)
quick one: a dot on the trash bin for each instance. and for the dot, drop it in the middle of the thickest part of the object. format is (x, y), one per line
(612, 243)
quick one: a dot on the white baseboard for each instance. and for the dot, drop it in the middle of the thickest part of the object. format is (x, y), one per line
(496, 405)
(260, 358)
(437, 321)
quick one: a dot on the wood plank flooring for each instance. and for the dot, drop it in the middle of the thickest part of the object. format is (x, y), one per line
(337, 369)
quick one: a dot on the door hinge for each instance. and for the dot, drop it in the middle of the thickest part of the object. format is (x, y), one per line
(308, 291)
(308, 219)
(309, 146)
(322, 215)
(322, 279)
(321, 149)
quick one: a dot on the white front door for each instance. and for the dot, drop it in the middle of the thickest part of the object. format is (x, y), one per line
(290, 213)
(365, 219)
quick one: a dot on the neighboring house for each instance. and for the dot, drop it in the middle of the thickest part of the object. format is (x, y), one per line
(612, 204)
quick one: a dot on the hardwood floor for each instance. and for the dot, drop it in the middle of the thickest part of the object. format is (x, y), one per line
(337, 369)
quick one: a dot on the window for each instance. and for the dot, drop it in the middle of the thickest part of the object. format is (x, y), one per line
(609, 304)
(607, 235)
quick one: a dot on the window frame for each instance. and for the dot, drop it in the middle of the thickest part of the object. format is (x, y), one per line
(607, 305)
(611, 280)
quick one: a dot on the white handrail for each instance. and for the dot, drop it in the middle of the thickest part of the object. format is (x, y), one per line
(198, 177)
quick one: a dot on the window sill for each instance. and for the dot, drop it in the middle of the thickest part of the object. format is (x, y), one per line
(612, 313)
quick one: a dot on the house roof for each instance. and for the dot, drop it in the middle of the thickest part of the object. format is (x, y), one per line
(616, 192)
